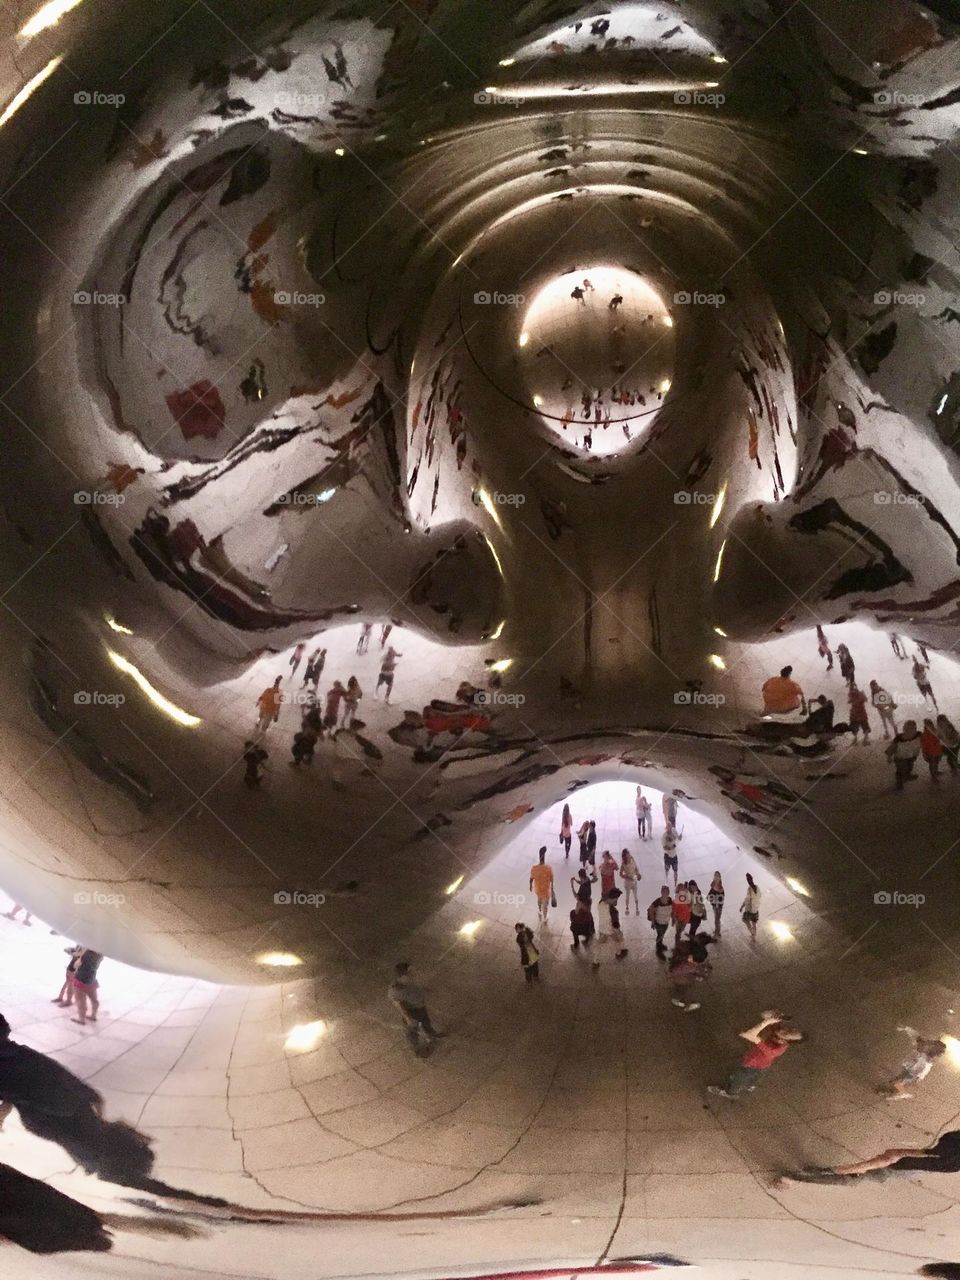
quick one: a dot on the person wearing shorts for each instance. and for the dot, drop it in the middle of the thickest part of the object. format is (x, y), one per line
(388, 667)
(670, 838)
(86, 986)
(942, 1157)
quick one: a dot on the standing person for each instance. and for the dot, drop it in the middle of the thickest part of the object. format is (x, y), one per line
(630, 875)
(948, 735)
(641, 807)
(310, 673)
(915, 1067)
(296, 657)
(385, 632)
(847, 665)
(660, 913)
(932, 749)
(541, 881)
(681, 910)
(529, 955)
(253, 757)
(715, 897)
(581, 924)
(698, 907)
(750, 908)
(920, 671)
(411, 1000)
(903, 751)
(577, 293)
(884, 704)
(823, 648)
(351, 701)
(769, 1040)
(859, 722)
(15, 911)
(610, 931)
(688, 964)
(648, 818)
(65, 997)
(268, 704)
(608, 872)
(580, 885)
(331, 711)
(896, 644)
(582, 837)
(388, 667)
(86, 986)
(670, 840)
(363, 644)
(592, 843)
(566, 830)
(304, 744)
(669, 806)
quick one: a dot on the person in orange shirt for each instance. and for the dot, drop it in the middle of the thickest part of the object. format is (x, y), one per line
(541, 882)
(782, 695)
(268, 704)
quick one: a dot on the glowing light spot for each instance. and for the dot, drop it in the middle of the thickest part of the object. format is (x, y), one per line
(717, 57)
(720, 632)
(504, 62)
(488, 505)
(501, 665)
(495, 635)
(340, 151)
(304, 1036)
(943, 403)
(668, 321)
(279, 959)
(493, 552)
(538, 401)
(523, 339)
(716, 661)
(782, 932)
(527, 91)
(718, 506)
(470, 928)
(665, 385)
(156, 697)
(797, 887)
(860, 151)
(452, 888)
(953, 1049)
(326, 495)
(719, 564)
(48, 15)
(491, 88)
(712, 84)
(114, 625)
(30, 88)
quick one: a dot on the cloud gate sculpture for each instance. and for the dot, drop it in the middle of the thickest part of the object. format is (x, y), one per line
(429, 427)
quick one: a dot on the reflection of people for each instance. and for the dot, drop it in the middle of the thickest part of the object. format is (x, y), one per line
(884, 704)
(669, 840)
(253, 758)
(942, 1157)
(86, 986)
(823, 648)
(411, 1000)
(529, 955)
(903, 751)
(781, 694)
(857, 700)
(847, 665)
(541, 882)
(916, 1067)
(919, 672)
(769, 1040)
(15, 911)
(566, 830)
(750, 908)
(820, 719)
(268, 704)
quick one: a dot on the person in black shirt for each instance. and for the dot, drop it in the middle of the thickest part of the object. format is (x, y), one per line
(942, 1157)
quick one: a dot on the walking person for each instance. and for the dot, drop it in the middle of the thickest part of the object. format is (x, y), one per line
(630, 875)
(823, 648)
(296, 658)
(698, 907)
(715, 896)
(920, 673)
(896, 644)
(411, 1000)
(254, 756)
(385, 633)
(304, 744)
(640, 805)
(915, 1067)
(331, 711)
(581, 885)
(681, 910)
(948, 735)
(903, 751)
(65, 997)
(750, 908)
(15, 911)
(350, 702)
(529, 955)
(566, 830)
(932, 749)
(541, 882)
(582, 835)
(268, 705)
(660, 913)
(577, 294)
(847, 665)
(669, 806)
(670, 840)
(86, 986)
(688, 964)
(388, 667)
(769, 1040)
(859, 723)
(314, 667)
(942, 1157)
(366, 631)
(884, 705)
(610, 932)
(608, 872)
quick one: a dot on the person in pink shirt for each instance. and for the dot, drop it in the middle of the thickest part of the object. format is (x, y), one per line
(608, 872)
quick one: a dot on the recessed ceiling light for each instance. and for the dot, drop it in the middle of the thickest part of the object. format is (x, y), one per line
(798, 887)
(340, 151)
(279, 959)
(501, 665)
(452, 888)
(716, 661)
(504, 62)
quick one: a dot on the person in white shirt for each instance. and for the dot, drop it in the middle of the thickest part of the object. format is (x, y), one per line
(630, 875)
(750, 908)
(670, 840)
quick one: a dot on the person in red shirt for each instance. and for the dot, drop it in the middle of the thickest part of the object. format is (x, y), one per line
(858, 712)
(769, 1040)
(932, 749)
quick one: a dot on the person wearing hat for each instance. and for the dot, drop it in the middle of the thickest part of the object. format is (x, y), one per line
(610, 931)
